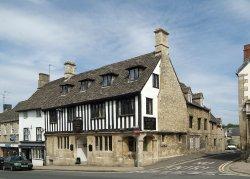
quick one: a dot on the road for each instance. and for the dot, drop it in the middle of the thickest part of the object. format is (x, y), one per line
(202, 168)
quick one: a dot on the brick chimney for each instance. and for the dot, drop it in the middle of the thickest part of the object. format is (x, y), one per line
(43, 80)
(247, 52)
(161, 41)
(69, 69)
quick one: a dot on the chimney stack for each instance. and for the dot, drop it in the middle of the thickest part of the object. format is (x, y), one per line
(70, 68)
(161, 42)
(246, 52)
(43, 80)
(7, 107)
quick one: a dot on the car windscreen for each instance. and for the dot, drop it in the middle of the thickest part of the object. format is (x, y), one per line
(17, 158)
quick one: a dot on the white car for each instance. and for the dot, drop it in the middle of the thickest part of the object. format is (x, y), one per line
(231, 147)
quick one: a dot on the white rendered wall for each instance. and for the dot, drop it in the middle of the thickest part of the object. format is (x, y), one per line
(31, 122)
(246, 72)
(149, 91)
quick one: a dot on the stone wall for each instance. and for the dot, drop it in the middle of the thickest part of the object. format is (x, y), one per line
(5, 137)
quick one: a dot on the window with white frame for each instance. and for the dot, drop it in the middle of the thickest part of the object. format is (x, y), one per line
(26, 133)
(37, 153)
(38, 134)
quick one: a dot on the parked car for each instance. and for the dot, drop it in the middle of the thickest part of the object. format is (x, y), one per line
(231, 147)
(1, 162)
(17, 163)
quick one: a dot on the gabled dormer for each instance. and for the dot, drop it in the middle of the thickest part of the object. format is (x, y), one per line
(134, 72)
(108, 78)
(85, 84)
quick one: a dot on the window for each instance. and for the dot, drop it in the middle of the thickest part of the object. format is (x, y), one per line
(199, 123)
(149, 123)
(107, 80)
(37, 153)
(155, 81)
(63, 142)
(5, 129)
(103, 143)
(25, 114)
(38, 134)
(53, 116)
(205, 124)
(71, 114)
(98, 110)
(127, 106)
(190, 122)
(26, 133)
(133, 74)
(85, 85)
(179, 138)
(215, 142)
(149, 106)
(38, 113)
(66, 88)
(212, 126)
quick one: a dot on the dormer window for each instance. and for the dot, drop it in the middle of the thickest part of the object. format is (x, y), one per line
(66, 88)
(133, 74)
(106, 80)
(85, 84)
(189, 97)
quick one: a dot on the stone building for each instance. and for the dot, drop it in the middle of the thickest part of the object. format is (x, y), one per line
(130, 113)
(243, 74)
(9, 137)
(204, 131)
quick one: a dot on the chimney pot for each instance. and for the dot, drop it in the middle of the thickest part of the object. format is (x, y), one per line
(43, 80)
(246, 52)
(161, 41)
(70, 68)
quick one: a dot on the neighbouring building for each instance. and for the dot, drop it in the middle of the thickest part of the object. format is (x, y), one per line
(233, 136)
(243, 75)
(204, 130)
(9, 137)
(130, 113)
(32, 128)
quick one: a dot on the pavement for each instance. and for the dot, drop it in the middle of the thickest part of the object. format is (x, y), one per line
(88, 168)
(194, 159)
(240, 167)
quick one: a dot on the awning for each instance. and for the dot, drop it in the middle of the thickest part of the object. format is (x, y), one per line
(31, 144)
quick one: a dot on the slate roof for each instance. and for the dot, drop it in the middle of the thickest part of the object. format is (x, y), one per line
(10, 115)
(50, 96)
(233, 132)
(242, 66)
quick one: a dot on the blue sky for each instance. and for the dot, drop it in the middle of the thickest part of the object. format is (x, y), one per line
(206, 41)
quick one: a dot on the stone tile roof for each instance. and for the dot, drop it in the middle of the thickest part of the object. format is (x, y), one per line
(10, 115)
(50, 96)
(197, 96)
(185, 90)
(215, 120)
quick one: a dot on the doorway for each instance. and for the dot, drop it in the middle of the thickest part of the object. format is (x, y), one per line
(82, 150)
